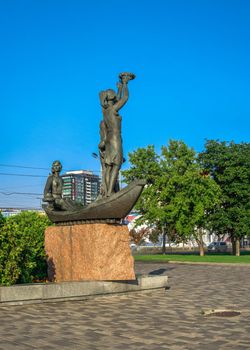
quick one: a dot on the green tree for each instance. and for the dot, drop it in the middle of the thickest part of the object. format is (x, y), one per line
(22, 255)
(229, 165)
(188, 196)
(2, 220)
(179, 197)
(145, 164)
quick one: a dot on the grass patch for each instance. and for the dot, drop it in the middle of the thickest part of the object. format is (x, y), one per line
(210, 258)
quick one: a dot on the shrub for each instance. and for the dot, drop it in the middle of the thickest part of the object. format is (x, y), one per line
(2, 220)
(22, 254)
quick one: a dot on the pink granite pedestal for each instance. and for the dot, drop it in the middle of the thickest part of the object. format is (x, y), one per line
(89, 252)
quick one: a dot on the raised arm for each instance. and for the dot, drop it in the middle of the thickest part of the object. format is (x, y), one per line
(124, 96)
(119, 91)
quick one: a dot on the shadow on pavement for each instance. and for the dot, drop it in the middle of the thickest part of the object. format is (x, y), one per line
(159, 271)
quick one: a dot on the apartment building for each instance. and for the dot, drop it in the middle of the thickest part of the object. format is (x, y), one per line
(81, 186)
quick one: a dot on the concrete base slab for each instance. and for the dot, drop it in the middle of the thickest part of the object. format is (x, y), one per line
(51, 292)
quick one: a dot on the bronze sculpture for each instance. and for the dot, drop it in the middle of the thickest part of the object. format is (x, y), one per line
(54, 188)
(110, 147)
(113, 204)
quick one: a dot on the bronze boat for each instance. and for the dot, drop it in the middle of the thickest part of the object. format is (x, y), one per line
(109, 210)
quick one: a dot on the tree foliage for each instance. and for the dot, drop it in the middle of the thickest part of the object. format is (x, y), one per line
(2, 220)
(144, 165)
(22, 255)
(178, 197)
(229, 165)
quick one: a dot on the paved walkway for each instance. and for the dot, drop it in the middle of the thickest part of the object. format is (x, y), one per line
(153, 320)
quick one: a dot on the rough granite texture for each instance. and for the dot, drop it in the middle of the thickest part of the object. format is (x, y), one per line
(89, 252)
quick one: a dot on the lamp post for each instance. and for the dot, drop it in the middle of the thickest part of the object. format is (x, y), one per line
(96, 156)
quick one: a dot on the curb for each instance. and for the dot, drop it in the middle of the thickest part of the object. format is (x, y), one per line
(192, 263)
(64, 291)
(208, 263)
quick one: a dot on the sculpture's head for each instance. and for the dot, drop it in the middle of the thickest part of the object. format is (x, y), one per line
(111, 95)
(56, 167)
(107, 96)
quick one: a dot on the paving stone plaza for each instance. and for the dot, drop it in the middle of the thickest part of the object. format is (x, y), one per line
(153, 320)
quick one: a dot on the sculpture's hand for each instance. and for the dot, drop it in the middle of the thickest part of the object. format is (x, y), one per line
(126, 76)
(125, 80)
(48, 198)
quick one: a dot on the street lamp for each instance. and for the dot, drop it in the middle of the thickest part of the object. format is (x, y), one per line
(95, 155)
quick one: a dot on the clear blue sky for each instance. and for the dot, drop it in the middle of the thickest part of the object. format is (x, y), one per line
(191, 59)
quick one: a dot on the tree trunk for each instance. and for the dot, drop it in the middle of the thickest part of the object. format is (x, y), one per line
(163, 241)
(202, 251)
(200, 242)
(237, 246)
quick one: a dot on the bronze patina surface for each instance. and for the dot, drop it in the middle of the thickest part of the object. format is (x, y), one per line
(113, 204)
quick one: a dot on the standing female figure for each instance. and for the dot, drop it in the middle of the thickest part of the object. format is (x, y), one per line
(110, 146)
